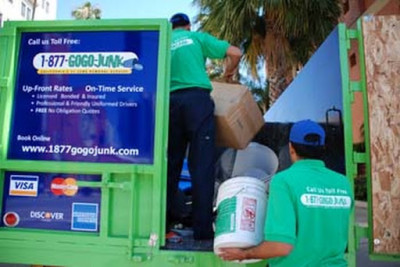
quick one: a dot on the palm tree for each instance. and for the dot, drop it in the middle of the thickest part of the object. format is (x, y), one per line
(283, 33)
(260, 94)
(87, 11)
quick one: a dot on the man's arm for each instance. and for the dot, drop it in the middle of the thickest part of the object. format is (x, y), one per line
(233, 55)
(265, 250)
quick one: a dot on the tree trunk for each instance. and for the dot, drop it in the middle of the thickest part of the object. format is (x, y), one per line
(279, 63)
(279, 79)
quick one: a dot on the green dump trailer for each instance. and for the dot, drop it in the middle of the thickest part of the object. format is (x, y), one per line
(84, 119)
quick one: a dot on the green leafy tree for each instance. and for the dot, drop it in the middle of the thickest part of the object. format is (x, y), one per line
(283, 33)
(87, 11)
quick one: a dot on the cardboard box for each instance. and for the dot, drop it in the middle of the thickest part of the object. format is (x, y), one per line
(238, 118)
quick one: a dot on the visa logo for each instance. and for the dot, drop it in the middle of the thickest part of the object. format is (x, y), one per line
(23, 185)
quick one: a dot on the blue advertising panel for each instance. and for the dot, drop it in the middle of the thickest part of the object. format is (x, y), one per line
(85, 97)
(50, 201)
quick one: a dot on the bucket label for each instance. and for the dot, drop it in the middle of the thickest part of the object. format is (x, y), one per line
(248, 214)
(226, 216)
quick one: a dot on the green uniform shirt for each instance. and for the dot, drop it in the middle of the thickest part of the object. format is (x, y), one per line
(309, 207)
(189, 51)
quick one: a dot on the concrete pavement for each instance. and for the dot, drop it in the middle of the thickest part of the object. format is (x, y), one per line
(362, 254)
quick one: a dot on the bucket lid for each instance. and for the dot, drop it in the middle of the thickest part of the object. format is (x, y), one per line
(255, 156)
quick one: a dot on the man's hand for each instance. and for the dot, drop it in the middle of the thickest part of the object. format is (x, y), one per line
(233, 55)
(264, 250)
(228, 77)
(230, 254)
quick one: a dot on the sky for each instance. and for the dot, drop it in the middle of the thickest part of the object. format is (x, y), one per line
(130, 9)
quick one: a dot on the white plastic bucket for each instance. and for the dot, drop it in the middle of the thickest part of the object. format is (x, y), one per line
(241, 207)
(257, 161)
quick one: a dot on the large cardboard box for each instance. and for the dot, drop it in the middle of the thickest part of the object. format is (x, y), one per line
(238, 118)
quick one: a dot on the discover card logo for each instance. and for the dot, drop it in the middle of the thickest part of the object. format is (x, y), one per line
(46, 215)
(23, 185)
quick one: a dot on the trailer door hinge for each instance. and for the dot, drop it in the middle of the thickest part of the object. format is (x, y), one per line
(359, 157)
(351, 34)
(139, 257)
(355, 86)
(180, 259)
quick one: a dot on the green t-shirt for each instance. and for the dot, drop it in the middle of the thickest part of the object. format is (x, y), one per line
(309, 207)
(189, 51)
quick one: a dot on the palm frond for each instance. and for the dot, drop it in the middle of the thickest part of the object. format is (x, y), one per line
(285, 33)
(86, 11)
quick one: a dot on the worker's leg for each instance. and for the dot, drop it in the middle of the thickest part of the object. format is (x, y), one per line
(201, 162)
(177, 143)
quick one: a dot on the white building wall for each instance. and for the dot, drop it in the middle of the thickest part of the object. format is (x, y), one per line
(23, 10)
(46, 10)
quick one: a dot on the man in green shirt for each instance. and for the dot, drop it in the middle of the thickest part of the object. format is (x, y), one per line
(308, 208)
(191, 118)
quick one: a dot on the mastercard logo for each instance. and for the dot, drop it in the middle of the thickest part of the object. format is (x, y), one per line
(64, 186)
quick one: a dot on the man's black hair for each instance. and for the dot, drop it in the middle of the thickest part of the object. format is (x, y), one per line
(309, 152)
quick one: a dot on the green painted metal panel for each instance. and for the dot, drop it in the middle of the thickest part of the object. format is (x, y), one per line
(132, 210)
(344, 45)
(353, 156)
(133, 196)
(125, 188)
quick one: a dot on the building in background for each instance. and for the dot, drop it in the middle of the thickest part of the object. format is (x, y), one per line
(25, 10)
(354, 9)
